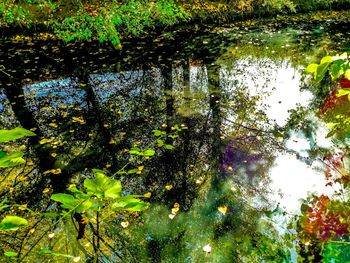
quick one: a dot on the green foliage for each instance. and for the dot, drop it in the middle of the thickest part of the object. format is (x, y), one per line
(98, 191)
(336, 66)
(128, 19)
(12, 223)
(337, 252)
(13, 159)
(14, 134)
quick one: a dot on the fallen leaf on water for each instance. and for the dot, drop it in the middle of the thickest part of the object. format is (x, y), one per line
(168, 187)
(222, 209)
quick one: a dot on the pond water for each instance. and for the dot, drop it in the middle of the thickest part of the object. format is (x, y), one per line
(248, 135)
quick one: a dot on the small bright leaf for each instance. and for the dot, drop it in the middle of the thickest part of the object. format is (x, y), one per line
(11, 254)
(311, 68)
(148, 153)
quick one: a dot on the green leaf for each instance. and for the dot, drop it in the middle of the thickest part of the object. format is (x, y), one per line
(12, 160)
(45, 251)
(160, 142)
(132, 171)
(71, 203)
(148, 153)
(311, 68)
(16, 133)
(2, 154)
(321, 71)
(336, 70)
(68, 201)
(158, 133)
(11, 254)
(168, 146)
(103, 186)
(135, 151)
(114, 189)
(129, 203)
(326, 59)
(12, 223)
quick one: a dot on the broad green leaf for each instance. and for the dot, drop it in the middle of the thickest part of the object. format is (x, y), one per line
(326, 59)
(311, 68)
(148, 153)
(16, 133)
(11, 254)
(103, 186)
(129, 203)
(336, 70)
(12, 160)
(321, 71)
(68, 201)
(2, 154)
(12, 223)
(114, 189)
(84, 205)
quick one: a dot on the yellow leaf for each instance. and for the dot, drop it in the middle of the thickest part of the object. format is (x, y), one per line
(168, 187)
(147, 195)
(54, 154)
(78, 120)
(46, 190)
(53, 171)
(46, 140)
(53, 125)
(222, 209)
(171, 216)
(124, 224)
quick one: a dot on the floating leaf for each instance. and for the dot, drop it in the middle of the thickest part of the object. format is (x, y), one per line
(222, 209)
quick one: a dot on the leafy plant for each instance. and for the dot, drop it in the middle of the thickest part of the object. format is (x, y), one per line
(11, 223)
(100, 192)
